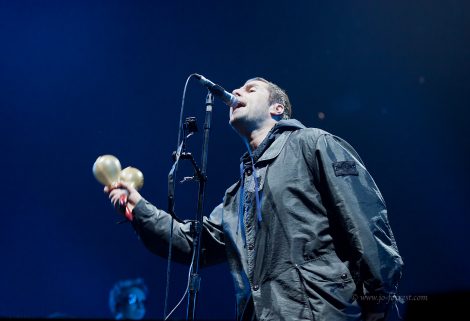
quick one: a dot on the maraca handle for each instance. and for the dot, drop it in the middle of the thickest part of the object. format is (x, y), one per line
(123, 202)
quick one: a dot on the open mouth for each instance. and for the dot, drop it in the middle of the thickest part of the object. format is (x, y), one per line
(239, 105)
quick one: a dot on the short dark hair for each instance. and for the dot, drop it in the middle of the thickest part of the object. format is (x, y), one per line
(277, 95)
(120, 292)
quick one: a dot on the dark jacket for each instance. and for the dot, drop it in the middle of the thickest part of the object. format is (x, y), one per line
(319, 248)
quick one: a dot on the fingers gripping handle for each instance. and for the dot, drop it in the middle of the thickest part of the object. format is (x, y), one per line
(123, 204)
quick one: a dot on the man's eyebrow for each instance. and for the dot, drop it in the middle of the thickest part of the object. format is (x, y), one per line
(250, 85)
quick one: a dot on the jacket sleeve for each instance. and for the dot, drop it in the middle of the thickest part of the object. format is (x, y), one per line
(153, 228)
(359, 222)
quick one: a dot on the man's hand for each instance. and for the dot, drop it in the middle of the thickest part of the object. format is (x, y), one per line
(119, 190)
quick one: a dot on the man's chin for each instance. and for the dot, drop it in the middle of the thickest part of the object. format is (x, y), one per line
(236, 123)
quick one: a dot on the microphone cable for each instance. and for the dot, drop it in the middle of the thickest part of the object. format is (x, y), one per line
(170, 243)
(186, 290)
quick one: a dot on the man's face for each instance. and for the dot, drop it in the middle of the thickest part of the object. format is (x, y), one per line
(253, 109)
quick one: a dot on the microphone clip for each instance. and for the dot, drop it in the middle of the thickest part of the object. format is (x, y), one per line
(190, 125)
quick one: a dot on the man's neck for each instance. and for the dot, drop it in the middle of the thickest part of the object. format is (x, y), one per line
(256, 137)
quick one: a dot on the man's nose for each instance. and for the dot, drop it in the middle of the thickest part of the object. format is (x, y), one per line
(236, 92)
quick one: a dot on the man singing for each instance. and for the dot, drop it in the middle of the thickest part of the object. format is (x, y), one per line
(304, 230)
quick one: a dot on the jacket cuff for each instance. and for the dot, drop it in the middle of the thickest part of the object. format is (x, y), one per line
(142, 209)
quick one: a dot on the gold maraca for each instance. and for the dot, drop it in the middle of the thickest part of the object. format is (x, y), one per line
(107, 170)
(132, 176)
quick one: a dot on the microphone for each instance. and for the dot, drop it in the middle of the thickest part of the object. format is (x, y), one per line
(229, 99)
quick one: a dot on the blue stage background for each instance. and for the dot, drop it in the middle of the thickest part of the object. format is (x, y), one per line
(79, 79)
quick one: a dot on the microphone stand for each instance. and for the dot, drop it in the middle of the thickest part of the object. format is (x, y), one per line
(190, 127)
(195, 278)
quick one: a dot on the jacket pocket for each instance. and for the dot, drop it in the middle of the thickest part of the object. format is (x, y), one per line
(286, 298)
(330, 288)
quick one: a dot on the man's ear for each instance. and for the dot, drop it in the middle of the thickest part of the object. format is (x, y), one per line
(276, 110)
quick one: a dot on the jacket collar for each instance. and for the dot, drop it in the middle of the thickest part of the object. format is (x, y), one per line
(272, 145)
(275, 148)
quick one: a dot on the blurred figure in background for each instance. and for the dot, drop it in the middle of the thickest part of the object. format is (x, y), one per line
(127, 299)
